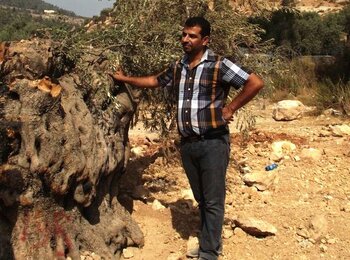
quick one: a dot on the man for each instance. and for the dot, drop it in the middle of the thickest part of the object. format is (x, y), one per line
(200, 82)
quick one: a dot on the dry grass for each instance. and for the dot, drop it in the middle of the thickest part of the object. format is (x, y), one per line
(300, 81)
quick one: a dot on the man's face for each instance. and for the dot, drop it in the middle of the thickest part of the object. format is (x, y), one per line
(192, 41)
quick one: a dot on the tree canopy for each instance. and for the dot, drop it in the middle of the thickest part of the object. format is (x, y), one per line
(149, 40)
(305, 33)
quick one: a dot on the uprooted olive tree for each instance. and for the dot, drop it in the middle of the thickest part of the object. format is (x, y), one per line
(64, 124)
(64, 146)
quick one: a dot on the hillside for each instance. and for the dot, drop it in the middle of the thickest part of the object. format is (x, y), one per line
(34, 5)
(23, 19)
(319, 6)
(249, 7)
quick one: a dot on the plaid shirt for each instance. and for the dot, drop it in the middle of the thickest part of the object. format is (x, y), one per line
(201, 92)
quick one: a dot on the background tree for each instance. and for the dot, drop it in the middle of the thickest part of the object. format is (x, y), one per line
(148, 40)
(305, 33)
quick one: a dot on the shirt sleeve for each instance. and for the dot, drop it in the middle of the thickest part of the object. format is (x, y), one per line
(165, 79)
(232, 74)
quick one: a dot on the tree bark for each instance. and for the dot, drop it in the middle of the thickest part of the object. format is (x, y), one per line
(64, 146)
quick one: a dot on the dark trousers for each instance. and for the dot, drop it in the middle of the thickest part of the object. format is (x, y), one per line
(205, 163)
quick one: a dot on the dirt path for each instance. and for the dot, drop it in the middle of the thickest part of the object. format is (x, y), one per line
(307, 200)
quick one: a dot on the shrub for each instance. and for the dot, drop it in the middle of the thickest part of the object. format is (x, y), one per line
(306, 33)
(334, 95)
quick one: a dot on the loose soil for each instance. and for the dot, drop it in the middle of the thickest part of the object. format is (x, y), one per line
(304, 189)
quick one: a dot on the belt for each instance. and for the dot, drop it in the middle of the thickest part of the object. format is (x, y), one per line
(210, 134)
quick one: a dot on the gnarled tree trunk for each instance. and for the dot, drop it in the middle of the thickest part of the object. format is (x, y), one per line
(64, 145)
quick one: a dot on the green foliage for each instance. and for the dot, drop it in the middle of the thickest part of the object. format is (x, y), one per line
(34, 5)
(17, 25)
(345, 13)
(315, 35)
(149, 40)
(105, 12)
(306, 33)
(278, 26)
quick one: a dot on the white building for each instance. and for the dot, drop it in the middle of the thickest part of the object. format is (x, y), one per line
(49, 11)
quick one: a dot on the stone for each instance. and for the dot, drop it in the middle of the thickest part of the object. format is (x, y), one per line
(239, 233)
(128, 253)
(137, 152)
(246, 169)
(287, 110)
(331, 112)
(318, 227)
(156, 205)
(340, 130)
(323, 248)
(280, 149)
(227, 233)
(311, 153)
(331, 241)
(262, 180)
(192, 243)
(255, 227)
(303, 233)
(95, 256)
(187, 195)
(324, 133)
(296, 158)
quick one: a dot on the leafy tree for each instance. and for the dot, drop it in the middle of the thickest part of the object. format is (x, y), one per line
(148, 40)
(315, 35)
(308, 34)
(305, 33)
(332, 31)
(344, 17)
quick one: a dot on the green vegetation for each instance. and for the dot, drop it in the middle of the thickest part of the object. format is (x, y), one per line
(310, 34)
(271, 45)
(305, 33)
(148, 40)
(17, 25)
(35, 5)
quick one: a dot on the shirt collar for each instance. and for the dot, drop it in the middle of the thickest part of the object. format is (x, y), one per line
(208, 55)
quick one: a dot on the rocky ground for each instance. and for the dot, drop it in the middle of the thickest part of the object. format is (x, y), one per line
(318, 6)
(300, 210)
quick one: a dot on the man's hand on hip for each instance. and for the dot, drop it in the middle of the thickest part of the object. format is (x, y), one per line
(227, 114)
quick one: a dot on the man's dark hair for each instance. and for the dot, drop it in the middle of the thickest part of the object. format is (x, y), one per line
(201, 22)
